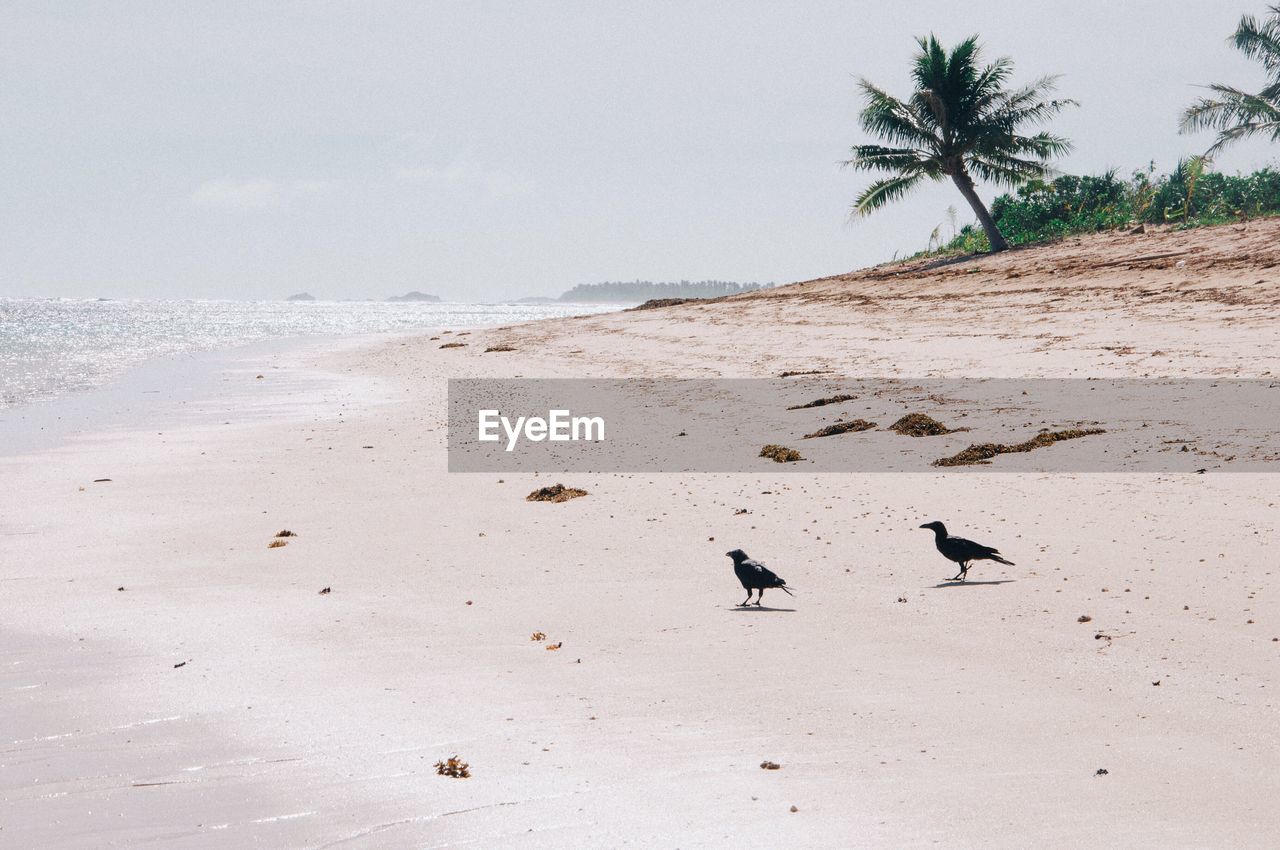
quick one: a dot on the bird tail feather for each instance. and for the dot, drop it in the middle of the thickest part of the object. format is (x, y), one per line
(1000, 560)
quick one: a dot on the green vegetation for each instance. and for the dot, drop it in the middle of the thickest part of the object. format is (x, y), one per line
(959, 123)
(1189, 196)
(1234, 113)
(962, 123)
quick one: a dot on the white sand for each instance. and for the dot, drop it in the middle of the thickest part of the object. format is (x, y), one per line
(963, 717)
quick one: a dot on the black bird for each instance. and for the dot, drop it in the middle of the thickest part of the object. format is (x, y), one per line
(962, 551)
(755, 576)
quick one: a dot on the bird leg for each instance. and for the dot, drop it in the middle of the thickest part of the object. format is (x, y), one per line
(759, 597)
(744, 603)
(960, 575)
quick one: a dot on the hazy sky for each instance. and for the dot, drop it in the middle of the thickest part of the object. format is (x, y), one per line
(489, 150)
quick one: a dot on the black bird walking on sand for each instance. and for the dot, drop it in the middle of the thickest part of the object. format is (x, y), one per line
(755, 576)
(962, 551)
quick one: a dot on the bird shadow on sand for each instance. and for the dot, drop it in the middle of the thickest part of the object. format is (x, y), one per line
(763, 608)
(949, 583)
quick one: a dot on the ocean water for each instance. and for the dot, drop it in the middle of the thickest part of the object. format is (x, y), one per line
(52, 347)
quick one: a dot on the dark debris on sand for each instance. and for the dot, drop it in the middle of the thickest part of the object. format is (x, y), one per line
(921, 425)
(555, 493)
(454, 767)
(842, 428)
(780, 454)
(823, 402)
(981, 453)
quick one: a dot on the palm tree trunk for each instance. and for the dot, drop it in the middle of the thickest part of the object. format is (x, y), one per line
(965, 184)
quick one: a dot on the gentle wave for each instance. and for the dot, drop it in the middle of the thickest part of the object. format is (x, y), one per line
(49, 347)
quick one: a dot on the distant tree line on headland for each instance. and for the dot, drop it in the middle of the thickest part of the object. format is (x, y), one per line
(645, 290)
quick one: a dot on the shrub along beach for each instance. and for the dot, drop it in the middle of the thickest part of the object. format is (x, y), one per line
(1189, 196)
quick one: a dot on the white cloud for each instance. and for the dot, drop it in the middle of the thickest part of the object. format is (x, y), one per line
(495, 182)
(258, 194)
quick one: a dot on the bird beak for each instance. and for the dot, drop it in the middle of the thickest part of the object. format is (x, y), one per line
(926, 525)
(728, 554)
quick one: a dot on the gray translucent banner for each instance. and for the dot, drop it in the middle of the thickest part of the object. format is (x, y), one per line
(848, 425)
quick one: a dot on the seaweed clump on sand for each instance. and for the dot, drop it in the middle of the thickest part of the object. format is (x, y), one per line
(454, 767)
(284, 532)
(842, 428)
(981, 453)
(554, 493)
(823, 402)
(454, 345)
(503, 347)
(792, 373)
(780, 454)
(921, 425)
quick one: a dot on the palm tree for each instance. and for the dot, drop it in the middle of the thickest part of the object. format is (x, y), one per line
(961, 122)
(1236, 114)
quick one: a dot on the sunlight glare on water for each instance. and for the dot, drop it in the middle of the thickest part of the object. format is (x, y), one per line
(49, 347)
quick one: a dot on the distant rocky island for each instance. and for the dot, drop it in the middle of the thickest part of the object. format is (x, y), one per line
(301, 296)
(414, 296)
(646, 290)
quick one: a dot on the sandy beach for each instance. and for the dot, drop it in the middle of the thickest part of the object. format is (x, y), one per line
(169, 679)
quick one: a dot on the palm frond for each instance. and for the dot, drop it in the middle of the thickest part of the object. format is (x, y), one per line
(880, 158)
(885, 191)
(930, 65)
(1042, 145)
(1029, 104)
(987, 88)
(1243, 131)
(1236, 114)
(891, 119)
(1260, 40)
(962, 70)
(1229, 107)
(1003, 168)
